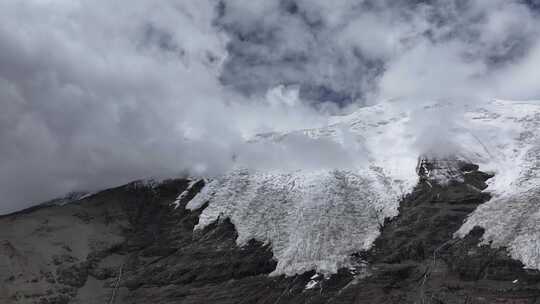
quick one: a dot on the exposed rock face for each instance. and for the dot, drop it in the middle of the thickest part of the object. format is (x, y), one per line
(417, 260)
(130, 245)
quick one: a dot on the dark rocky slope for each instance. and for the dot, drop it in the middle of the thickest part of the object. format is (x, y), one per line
(129, 245)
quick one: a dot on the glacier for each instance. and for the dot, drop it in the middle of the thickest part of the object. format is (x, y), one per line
(315, 218)
(511, 218)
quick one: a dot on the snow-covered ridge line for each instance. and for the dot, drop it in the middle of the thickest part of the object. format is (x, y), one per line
(314, 219)
(69, 198)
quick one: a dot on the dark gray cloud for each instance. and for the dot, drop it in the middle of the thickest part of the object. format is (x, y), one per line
(93, 94)
(342, 52)
(289, 42)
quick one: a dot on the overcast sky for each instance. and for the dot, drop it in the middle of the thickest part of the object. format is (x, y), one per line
(98, 93)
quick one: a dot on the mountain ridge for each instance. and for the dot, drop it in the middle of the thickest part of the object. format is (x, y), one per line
(148, 245)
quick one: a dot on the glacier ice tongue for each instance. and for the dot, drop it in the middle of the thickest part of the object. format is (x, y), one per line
(313, 220)
(511, 219)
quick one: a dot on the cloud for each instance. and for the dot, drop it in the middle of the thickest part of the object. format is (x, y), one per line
(94, 94)
(357, 51)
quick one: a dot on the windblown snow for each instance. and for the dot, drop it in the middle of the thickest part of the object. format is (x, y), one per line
(314, 219)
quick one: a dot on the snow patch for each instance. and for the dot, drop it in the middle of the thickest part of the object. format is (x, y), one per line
(311, 284)
(184, 194)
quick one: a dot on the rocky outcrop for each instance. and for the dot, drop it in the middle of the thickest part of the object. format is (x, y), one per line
(130, 245)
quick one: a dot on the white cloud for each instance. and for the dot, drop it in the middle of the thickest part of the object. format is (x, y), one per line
(94, 94)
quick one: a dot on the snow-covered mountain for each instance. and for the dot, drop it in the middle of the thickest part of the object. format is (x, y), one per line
(309, 234)
(316, 218)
